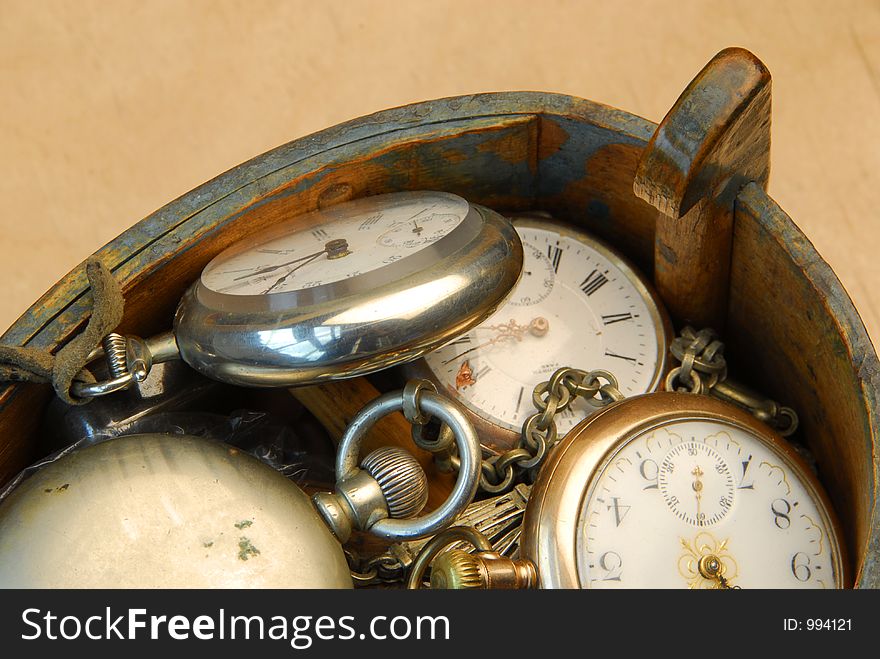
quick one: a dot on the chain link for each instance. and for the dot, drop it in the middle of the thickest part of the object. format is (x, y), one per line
(499, 473)
(702, 361)
(384, 568)
(539, 433)
(703, 370)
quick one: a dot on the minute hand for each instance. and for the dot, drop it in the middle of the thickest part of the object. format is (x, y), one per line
(512, 330)
(281, 280)
(280, 265)
(496, 339)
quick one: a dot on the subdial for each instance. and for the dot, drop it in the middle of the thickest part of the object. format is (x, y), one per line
(423, 229)
(537, 279)
(696, 484)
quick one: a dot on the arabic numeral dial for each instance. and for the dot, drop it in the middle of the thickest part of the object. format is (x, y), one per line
(700, 503)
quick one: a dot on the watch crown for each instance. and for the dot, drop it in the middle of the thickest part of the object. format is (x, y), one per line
(457, 570)
(401, 478)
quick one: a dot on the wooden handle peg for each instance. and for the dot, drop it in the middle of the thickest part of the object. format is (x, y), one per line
(714, 140)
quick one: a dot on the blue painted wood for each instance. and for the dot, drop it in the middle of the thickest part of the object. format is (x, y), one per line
(573, 157)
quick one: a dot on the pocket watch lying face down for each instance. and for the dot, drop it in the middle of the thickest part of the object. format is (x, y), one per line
(339, 292)
(577, 303)
(171, 511)
(672, 490)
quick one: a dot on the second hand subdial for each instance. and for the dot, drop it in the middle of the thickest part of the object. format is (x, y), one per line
(681, 476)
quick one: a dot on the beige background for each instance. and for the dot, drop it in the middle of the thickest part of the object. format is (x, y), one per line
(111, 109)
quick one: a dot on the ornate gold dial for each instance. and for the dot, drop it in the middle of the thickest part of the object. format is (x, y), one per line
(673, 490)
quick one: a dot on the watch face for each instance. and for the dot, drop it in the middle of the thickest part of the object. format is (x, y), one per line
(349, 290)
(577, 304)
(691, 502)
(335, 244)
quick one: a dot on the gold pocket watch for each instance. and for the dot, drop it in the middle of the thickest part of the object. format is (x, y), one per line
(336, 293)
(668, 490)
(577, 302)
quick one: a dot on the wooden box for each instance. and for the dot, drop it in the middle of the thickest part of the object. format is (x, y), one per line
(790, 328)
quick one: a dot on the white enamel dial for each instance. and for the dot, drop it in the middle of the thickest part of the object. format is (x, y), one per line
(353, 240)
(679, 503)
(576, 304)
(693, 495)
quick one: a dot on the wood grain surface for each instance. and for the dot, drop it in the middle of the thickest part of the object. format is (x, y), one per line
(110, 110)
(714, 141)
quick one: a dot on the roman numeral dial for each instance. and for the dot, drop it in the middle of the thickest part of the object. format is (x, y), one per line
(576, 304)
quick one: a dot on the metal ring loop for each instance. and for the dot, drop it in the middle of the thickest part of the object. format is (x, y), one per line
(687, 368)
(547, 416)
(608, 394)
(541, 404)
(702, 363)
(498, 488)
(608, 375)
(440, 542)
(511, 457)
(793, 421)
(411, 393)
(541, 451)
(532, 436)
(490, 472)
(129, 359)
(468, 453)
(673, 376)
(442, 442)
(361, 579)
(81, 389)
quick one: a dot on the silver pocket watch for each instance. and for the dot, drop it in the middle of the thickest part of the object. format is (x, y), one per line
(336, 293)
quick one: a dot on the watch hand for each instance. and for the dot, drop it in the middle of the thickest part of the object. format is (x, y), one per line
(284, 278)
(482, 345)
(424, 210)
(334, 249)
(280, 265)
(697, 486)
(511, 330)
(711, 568)
(538, 326)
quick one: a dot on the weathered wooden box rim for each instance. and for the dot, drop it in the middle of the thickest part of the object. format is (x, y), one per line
(511, 151)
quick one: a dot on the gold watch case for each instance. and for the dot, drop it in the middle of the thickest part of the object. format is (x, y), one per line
(565, 482)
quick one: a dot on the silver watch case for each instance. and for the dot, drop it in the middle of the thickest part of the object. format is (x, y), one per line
(358, 325)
